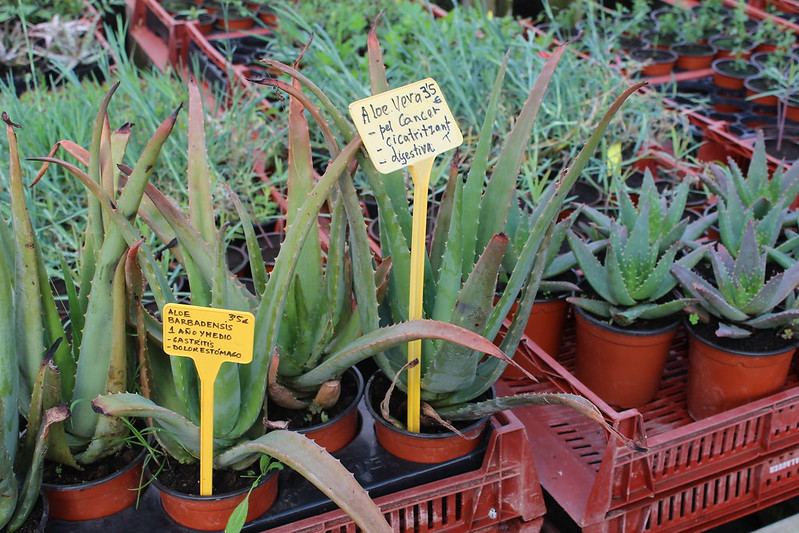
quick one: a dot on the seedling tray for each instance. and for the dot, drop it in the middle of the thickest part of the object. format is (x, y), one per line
(494, 485)
(692, 474)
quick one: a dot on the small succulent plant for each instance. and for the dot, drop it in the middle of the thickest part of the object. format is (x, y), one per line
(757, 197)
(635, 280)
(741, 298)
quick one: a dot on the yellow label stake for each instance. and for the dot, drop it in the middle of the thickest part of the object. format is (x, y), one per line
(408, 127)
(210, 337)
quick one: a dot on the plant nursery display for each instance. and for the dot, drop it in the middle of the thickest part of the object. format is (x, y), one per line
(240, 317)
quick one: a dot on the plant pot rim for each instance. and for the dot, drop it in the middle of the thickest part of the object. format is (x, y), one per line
(725, 60)
(378, 418)
(94, 483)
(353, 406)
(196, 498)
(658, 55)
(683, 49)
(621, 329)
(703, 339)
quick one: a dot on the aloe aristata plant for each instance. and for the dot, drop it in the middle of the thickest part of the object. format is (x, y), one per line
(739, 295)
(757, 197)
(634, 281)
(21, 458)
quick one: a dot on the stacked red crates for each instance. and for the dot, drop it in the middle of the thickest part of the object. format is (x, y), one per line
(694, 474)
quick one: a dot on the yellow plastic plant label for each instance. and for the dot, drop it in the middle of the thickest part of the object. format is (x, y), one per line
(208, 334)
(210, 337)
(408, 127)
(403, 126)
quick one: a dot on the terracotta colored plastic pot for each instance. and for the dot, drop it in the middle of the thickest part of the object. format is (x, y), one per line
(421, 447)
(96, 499)
(545, 328)
(623, 367)
(728, 77)
(727, 47)
(339, 431)
(693, 56)
(661, 61)
(792, 110)
(720, 379)
(756, 85)
(211, 513)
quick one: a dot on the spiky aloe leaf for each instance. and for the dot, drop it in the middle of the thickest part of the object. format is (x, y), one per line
(773, 292)
(387, 337)
(619, 267)
(452, 367)
(31, 486)
(473, 188)
(774, 320)
(592, 269)
(650, 311)
(199, 173)
(136, 406)
(732, 331)
(499, 190)
(317, 466)
(597, 307)
(659, 279)
(718, 305)
(30, 342)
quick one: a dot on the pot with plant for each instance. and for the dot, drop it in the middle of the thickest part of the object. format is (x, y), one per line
(464, 258)
(23, 452)
(730, 73)
(548, 315)
(655, 61)
(169, 381)
(625, 330)
(94, 358)
(742, 331)
(312, 364)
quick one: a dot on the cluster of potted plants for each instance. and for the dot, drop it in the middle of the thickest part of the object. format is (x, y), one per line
(307, 332)
(224, 15)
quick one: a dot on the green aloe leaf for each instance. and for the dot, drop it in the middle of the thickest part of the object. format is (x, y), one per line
(592, 269)
(317, 466)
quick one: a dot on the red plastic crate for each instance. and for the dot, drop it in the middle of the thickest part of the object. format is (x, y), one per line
(502, 495)
(604, 486)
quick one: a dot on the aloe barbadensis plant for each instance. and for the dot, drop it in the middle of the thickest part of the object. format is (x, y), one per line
(758, 197)
(21, 458)
(739, 295)
(464, 260)
(172, 400)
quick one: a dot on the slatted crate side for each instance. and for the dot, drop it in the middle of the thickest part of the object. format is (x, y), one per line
(591, 476)
(503, 492)
(712, 501)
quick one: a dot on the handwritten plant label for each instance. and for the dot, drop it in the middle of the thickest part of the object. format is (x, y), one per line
(403, 126)
(202, 332)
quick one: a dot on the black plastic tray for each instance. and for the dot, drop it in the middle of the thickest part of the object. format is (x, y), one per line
(375, 469)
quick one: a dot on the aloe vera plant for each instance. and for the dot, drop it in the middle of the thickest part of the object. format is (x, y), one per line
(757, 197)
(21, 459)
(97, 358)
(464, 248)
(635, 281)
(739, 295)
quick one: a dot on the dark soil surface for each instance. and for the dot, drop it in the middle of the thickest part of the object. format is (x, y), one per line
(302, 419)
(185, 478)
(761, 340)
(398, 406)
(64, 475)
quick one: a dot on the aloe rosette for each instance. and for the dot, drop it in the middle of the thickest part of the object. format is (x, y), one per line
(635, 281)
(762, 197)
(742, 299)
